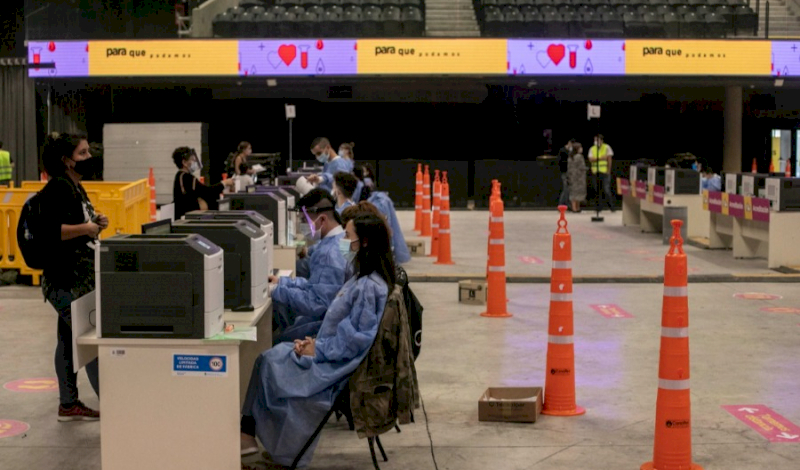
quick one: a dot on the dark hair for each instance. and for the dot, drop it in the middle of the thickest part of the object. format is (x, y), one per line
(180, 155)
(58, 148)
(346, 182)
(320, 200)
(600, 136)
(363, 171)
(242, 146)
(322, 141)
(362, 208)
(375, 250)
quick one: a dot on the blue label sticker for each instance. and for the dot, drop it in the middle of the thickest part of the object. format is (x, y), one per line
(199, 365)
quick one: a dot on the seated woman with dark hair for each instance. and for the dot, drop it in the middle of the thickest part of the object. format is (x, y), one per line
(294, 385)
(188, 193)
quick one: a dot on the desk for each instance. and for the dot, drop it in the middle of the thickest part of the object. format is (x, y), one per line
(720, 230)
(153, 419)
(775, 240)
(652, 213)
(631, 207)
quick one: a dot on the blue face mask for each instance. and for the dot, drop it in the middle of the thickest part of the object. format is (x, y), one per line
(368, 181)
(323, 157)
(344, 249)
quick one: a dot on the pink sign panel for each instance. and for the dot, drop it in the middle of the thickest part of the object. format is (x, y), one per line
(768, 423)
(624, 186)
(761, 209)
(62, 58)
(736, 206)
(611, 311)
(715, 201)
(9, 428)
(658, 195)
(531, 260)
(641, 189)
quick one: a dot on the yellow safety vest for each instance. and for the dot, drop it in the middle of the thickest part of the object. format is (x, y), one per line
(602, 164)
(5, 165)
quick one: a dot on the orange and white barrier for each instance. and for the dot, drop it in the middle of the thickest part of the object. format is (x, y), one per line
(418, 200)
(445, 255)
(436, 215)
(496, 269)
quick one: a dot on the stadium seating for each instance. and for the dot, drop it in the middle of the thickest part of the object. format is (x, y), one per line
(322, 18)
(615, 18)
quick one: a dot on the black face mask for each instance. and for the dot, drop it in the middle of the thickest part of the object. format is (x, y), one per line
(83, 167)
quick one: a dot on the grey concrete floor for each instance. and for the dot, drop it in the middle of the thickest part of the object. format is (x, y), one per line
(598, 249)
(740, 355)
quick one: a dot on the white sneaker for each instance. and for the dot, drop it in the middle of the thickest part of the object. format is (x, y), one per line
(249, 445)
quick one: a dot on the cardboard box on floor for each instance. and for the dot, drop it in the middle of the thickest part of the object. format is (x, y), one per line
(510, 404)
(472, 292)
(416, 248)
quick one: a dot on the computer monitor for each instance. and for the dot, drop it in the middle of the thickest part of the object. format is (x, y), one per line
(161, 227)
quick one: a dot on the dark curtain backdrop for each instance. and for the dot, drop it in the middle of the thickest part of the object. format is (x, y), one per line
(18, 120)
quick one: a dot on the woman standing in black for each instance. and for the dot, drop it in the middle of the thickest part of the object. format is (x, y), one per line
(188, 193)
(74, 227)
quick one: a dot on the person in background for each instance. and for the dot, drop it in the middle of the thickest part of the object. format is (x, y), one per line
(366, 174)
(563, 160)
(6, 166)
(333, 163)
(346, 152)
(346, 182)
(243, 177)
(73, 226)
(300, 304)
(576, 173)
(711, 181)
(293, 385)
(600, 158)
(240, 158)
(188, 193)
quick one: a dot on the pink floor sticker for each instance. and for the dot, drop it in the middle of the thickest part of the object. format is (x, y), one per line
(756, 296)
(611, 311)
(9, 428)
(768, 423)
(780, 310)
(531, 260)
(44, 384)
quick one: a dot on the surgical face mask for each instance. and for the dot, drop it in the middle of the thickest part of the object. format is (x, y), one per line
(368, 181)
(342, 153)
(323, 157)
(344, 249)
(83, 167)
(194, 167)
(334, 192)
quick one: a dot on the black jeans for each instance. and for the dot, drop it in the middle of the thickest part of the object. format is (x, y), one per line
(604, 192)
(61, 300)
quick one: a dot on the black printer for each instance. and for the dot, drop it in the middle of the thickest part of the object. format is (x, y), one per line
(656, 176)
(267, 204)
(783, 193)
(251, 216)
(159, 286)
(246, 270)
(681, 181)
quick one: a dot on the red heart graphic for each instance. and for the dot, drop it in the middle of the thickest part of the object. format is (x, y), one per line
(556, 52)
(287, 53)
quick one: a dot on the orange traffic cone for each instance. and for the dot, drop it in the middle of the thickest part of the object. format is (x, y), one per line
(788, 173)
(43, 176)
(493, 196)
(754, 167)
(437, 201)
(496, 270)
(445, 257)
(673, 435)
(559, 388)
(771, 167)
(418, 200)
(426, 203)
(151, 181)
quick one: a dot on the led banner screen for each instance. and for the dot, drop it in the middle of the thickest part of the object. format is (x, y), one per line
(297, 57)
(349, 57)
(718, 57)
(432, 56)
(585, 57)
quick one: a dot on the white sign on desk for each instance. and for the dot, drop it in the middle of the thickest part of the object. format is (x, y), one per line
(83, 321)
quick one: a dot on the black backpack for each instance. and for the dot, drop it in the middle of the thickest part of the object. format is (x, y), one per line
(31, 233)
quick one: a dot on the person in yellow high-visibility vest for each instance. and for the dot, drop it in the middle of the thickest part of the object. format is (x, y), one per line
(6, 166)
(600, 156)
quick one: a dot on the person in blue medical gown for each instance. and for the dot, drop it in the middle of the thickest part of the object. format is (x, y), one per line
(347, 184)
(295, 384)
(301, 301)
(346, 152)
(331, 161)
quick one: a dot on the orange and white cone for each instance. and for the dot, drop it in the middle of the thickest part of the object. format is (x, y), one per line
(426, 203)
(418, 200)
(754, 167)
(436, 215)
(151, 181)
(43, 177)
(496, 270)
(445, 256)
(771, 167)
(788, 173)
(559, 388)
(672, 449)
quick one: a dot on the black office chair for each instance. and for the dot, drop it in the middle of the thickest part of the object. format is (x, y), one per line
(493, 23)
(372, 26)
(330, 25)
(256, 10)
(573, 22)
(308, 25)
(692, 26)
(555, 25)
(533, 24)
(716, 26)
(277, 10)
(413, 22)
(351, 22)
(744, 18)
(613, 25)
(726, 12)
(703, 10)
(513, 22)
(223, 25)
(654, 25)
(672, 25)
(664, 9)
(266, 26)
(245, 26)
(634, 26)
(526, 9)
(287, 24)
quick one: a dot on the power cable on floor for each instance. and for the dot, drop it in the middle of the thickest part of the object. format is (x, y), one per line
(428, 428)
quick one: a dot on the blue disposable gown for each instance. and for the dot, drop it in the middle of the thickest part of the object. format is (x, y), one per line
(386, 207)
(344, 206)
(331, 168)
(357, 193)
(288, 395)
(308, 299)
